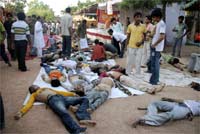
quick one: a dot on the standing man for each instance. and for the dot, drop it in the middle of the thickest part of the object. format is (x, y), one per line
(2, 45)
(66, 32)
(82, 34)
(157, 45)
(8, 25)
(148, 39)
(179, 34)
(116, 26)
(135, 37)
(38, 36)
(20, 36)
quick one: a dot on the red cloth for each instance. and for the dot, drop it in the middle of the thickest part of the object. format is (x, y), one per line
(98, 52)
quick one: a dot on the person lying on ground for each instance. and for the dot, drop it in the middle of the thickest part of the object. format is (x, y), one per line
(55, 77)
(172, 109)
(98, 94)
(50, 57)
(59, 102)
(173, 61)
(135, 83)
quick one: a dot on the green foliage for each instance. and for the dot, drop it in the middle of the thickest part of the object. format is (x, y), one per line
(82, 5)
(138, 4)
(16, 6)
(40, 9)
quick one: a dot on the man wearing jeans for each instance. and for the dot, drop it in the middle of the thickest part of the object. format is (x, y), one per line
(157, 45)
(66, 31)
(135, 33)
(59, 102)
(179, 30)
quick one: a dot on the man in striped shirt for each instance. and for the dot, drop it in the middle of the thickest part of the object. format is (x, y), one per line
(20, 37)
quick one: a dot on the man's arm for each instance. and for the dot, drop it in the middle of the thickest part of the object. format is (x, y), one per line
(65, 93)
(172, 100)
(3, 31)
(161, 38)
(25, 108)
(45, 78)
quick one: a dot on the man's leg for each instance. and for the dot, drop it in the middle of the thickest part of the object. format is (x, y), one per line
(116, 44)
(174, 46)
(155, 67)
(154, 118)
(69, 45)
(97, 98)
(179, 47)
(138, 60)
(10, 49)
(122, 50)
(4, 55)
(57, 104)
(144, 54)
(2, 121)
(64, 44)
(22, 51)
(131, 57)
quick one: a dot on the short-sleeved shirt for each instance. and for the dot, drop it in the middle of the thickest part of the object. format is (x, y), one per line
(136, 34)
(160, 29)
(66, 23)
(98, 52)
(194, 106)
(20, 29)
(180, 29)
(117, 27)
(119, 36)
(2, 29)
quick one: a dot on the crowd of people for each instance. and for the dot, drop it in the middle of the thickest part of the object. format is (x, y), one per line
(143, 42)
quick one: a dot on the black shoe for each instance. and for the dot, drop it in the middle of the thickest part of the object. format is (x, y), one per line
(9, 64)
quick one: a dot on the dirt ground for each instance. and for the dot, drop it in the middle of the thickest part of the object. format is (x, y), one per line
(113, 117)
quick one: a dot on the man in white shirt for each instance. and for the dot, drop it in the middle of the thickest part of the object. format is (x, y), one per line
(66, 32)
(174, 109)
(157, 45)
(116, 26)
(120, 38)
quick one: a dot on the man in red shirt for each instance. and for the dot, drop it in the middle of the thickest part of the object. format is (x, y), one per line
(98, 53)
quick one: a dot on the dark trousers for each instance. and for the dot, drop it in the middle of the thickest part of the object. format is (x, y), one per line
(10, 49)
(66, 46)
(123, 44)
(155, 66)
(59, 104)
(3, 53)
(2, 121)
(20, 48)
(116, 44)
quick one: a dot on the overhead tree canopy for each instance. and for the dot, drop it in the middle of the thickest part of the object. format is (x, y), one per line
(40, 9)
(15, 6)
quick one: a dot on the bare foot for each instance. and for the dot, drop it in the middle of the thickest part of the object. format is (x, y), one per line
(88, 123)
(151, 91)
(73, 108)
(137, 122)
(89, 110)
(160, 87)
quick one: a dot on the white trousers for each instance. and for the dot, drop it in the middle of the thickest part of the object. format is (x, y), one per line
(145, 53)
(134, 56)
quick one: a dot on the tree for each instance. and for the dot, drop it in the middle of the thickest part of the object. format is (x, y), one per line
(40, 9)
(15, 6)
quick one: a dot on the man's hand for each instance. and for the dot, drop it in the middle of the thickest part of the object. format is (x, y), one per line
(138, 44)
(18, 115)
(153, 46)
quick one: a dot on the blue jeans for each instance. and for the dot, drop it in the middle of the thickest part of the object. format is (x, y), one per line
(155, 66)
(178, 45)
(59, 104)
(48, 69)
(66, 45)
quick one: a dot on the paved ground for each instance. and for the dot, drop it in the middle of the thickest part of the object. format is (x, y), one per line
(113, 117)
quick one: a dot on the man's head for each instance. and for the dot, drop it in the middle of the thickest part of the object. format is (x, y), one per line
(137, 18)
(96, 41)
(68, 10)
(181, 19)
(84, 22)
(33, 88)
(55, 82)
(101, 43)
(21, 16)
(39, 18)
(156, 15)
(110, 32)
(9, 16)
(148, 19)
(113, 21)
